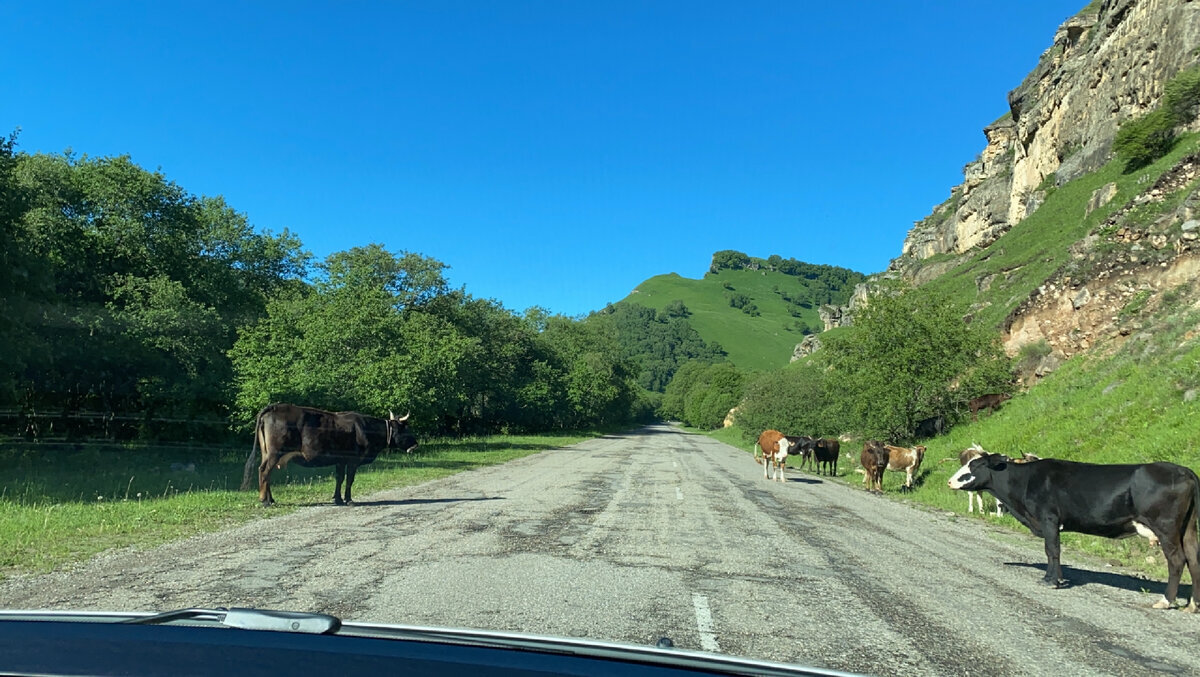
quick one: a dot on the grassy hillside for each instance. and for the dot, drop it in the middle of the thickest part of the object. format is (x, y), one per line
(1025, 257)
(762, 342)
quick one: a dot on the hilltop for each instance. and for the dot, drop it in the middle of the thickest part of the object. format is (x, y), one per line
(754, 310)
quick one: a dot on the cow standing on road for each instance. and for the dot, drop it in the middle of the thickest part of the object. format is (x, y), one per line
(1114, 501)
(314, 438)
(825, 453)
(775, 447)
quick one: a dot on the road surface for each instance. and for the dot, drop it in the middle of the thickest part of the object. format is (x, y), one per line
(661, 533)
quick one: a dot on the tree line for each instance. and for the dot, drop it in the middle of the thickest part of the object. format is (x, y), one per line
(821, 283)
(134, 309)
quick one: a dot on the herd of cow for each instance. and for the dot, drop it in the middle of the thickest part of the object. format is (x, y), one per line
(1155, 500)
(773, 448)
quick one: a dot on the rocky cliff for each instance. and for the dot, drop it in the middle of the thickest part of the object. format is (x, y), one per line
(1107, 64)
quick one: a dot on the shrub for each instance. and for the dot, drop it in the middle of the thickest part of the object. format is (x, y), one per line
(1143, 140)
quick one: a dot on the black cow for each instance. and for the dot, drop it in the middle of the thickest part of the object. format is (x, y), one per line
(824, 453)
(801, 448)
(313, 438)
(931, 426)
(1114, 501)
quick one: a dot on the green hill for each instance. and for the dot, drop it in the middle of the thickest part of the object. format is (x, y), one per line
(755, 339)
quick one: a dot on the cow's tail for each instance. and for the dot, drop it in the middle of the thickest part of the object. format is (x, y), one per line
(247, 472)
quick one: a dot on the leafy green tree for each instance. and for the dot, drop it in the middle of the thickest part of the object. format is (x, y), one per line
(654, 344)
(718, 389)
(910, 356)
(23, 282)
(728, 259)
(676, 308)
(798, 400)
(138, 292)
(701, 394)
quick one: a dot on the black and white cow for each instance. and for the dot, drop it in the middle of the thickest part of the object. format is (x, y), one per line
(1114, 501)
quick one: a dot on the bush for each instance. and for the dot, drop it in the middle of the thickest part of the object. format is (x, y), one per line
(1143, 140)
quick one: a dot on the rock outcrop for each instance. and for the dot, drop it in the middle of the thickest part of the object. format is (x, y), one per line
(1106, 65)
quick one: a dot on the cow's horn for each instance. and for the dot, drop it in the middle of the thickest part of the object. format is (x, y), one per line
(404, 417)
(391, 415)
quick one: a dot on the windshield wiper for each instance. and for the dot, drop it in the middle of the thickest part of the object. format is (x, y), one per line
(249, 619)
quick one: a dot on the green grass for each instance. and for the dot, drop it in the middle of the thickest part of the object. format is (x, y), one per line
(61, 504)
(752, 343)
(1032, 251)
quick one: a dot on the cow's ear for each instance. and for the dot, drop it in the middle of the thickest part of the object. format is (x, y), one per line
(997, 461)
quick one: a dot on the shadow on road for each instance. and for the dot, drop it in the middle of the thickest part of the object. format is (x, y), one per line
(1080, 577)
(805, 480)
(419, 501)
(404, 501)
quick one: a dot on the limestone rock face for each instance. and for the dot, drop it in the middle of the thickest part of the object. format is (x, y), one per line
(1104, 66)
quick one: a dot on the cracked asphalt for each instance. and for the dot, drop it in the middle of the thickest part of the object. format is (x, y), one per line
(660, 533)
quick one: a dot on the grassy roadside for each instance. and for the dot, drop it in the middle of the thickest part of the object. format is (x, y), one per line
(63, 505)
(932, 493)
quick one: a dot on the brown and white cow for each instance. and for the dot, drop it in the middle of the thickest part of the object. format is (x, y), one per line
(964, 457)
(906, 460)
(775, 447)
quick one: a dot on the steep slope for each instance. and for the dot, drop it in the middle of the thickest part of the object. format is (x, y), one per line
(1106, 65)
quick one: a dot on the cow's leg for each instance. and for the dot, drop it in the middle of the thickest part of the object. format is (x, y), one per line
(1050, 532)
(351, 469)
(339, 473)
(264, 480)
(1173, 551)
(1191, 553)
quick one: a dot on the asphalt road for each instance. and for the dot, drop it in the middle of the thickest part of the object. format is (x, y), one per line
(661, 533)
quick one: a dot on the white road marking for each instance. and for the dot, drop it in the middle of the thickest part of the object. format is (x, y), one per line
(678, 493)
(704, 623)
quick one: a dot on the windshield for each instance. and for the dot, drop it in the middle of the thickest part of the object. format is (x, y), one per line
(613, 321)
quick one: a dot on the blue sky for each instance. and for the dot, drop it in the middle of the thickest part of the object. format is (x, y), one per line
(551, 153)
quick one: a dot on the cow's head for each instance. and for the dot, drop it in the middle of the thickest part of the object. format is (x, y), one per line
(797, 444)
(977, 473)
(398, 434)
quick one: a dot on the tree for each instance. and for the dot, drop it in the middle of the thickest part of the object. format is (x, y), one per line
(676, 308)
(797, 400)
(702, 394)
(137, 288)
(910, 356)
(728, 259)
